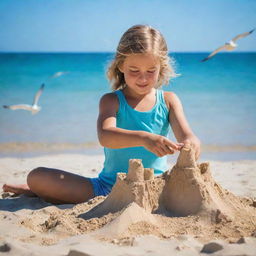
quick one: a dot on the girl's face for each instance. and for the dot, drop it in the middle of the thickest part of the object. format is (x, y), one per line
(141, 72)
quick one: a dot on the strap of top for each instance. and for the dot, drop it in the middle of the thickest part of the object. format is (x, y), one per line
(159, 96)
(159, 99)
(121, 99)
(120, 96)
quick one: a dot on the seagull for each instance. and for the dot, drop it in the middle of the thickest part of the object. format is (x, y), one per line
(34, 108)
(229, 46)
(58, 74)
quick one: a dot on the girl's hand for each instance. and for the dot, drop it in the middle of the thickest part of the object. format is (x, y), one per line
(195, 144)
(160, 145)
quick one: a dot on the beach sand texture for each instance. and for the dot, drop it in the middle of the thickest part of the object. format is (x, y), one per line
(182, 212)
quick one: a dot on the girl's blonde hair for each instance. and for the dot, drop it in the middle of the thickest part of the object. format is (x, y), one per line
(140, 39)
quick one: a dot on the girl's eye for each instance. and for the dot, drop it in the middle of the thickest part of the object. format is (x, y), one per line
(151, 71)
(134, 71)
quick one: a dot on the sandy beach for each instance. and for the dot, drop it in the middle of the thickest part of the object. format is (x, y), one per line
(31, 226)
(85, 80)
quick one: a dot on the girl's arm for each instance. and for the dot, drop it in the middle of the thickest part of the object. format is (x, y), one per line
(113, 137)
(179, 124)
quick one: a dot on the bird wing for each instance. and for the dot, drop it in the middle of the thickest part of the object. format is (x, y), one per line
(60, 73)
(20, 106)
(38, 94)
(56, 74)
(242, 35)
(215, 52)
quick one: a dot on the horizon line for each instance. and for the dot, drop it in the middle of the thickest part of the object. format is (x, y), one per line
(108, 52)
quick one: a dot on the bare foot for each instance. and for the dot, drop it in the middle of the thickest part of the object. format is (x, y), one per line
(18, 189)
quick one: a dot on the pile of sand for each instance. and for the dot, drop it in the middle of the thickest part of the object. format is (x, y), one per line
(183, 201)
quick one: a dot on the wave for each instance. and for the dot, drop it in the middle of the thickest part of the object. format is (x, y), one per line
(41, 147)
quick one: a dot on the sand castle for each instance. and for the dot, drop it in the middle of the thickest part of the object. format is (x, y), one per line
(188, 189)
(185, 200)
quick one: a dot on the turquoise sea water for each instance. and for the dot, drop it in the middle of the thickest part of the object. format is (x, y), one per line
(219, 98)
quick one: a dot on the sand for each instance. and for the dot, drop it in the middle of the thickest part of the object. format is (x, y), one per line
(216, 211)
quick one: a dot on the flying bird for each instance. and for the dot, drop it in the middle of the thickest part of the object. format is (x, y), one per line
(58, 74)
(229, 46)
(34, 108)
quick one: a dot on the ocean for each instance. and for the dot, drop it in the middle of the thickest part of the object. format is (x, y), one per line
(218, 96)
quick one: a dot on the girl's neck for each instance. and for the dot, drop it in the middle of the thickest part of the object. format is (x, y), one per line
(133, 95)
(141, 102)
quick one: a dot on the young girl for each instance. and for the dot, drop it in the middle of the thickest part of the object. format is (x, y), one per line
(134, 121)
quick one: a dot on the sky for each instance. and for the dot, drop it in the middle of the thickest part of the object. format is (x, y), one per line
(97, 25)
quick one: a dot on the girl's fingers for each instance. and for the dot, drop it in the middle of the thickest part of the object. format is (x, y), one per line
(180, 145)
(166, 150)
(162, 151)
(171, 145)
(169, 150)
(174, 146)
(167, 147)
(157, 153)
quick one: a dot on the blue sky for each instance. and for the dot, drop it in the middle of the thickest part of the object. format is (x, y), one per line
(97, 25)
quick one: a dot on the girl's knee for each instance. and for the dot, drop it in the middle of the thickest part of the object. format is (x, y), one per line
(35, 176)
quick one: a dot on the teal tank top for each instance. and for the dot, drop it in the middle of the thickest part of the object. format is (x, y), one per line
(154, 121)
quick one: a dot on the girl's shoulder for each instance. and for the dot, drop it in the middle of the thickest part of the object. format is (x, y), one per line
(109, 96)
(109, 100)
(171, 100)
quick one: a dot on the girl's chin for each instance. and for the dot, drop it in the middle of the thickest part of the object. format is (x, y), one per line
(141, 89)
(144, 87)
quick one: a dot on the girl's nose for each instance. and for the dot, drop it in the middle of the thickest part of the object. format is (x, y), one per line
(143, 78)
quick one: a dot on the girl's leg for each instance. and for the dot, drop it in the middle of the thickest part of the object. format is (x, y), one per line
(57, 186)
